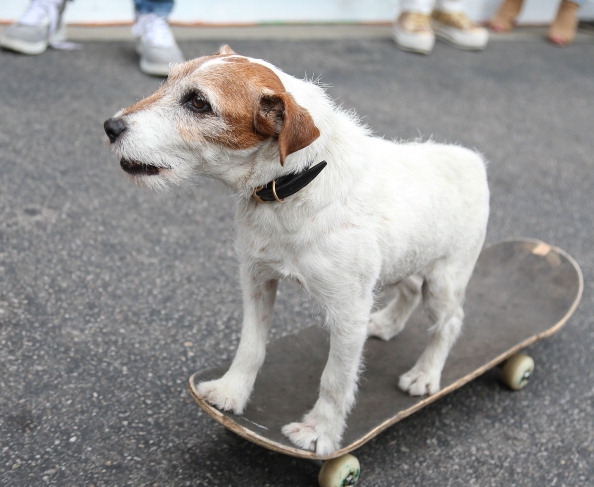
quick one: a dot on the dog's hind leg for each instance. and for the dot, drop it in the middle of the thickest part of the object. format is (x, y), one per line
(391, 320)
(232, 391)
(443, 293)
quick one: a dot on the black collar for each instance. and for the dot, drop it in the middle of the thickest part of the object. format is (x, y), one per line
(279, 189)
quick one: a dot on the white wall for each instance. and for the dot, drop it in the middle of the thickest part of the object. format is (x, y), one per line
(258, 11)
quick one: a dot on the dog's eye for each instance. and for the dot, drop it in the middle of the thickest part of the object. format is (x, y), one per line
(198, 104)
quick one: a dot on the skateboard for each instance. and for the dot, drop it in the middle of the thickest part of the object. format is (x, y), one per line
(521, 291)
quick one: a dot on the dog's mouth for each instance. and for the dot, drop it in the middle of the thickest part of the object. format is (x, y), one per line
(136, 168)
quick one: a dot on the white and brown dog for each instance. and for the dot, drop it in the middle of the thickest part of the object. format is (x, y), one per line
(320, 200)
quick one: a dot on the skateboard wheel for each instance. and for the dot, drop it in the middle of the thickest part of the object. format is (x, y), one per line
(340, 472)
(516, 371)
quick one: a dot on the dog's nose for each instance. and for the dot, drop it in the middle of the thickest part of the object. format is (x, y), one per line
(114, 128)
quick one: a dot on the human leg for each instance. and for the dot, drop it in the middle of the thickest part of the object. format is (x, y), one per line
(155, 42)
(412, 30)
(564, 27)
(505, 18)
(40, 26)
(452, 25)
(158, 7)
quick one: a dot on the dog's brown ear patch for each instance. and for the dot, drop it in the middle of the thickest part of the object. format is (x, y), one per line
(225, 50)
(278, 115)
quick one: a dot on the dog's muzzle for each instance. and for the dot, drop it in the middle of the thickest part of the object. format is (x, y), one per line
(114, 127)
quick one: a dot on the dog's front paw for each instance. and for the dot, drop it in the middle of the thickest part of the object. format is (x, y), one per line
(320, 430)
(418, 382)
(312, 436)
(225, 394)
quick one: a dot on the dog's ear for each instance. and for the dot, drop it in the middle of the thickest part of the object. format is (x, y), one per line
(225, 50)
(278, 115)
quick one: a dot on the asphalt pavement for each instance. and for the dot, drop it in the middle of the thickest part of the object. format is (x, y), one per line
(112, 296)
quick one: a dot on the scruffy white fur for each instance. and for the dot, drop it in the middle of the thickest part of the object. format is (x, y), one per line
(378, 213)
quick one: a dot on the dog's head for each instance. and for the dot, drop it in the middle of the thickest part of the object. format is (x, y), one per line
(216, 115)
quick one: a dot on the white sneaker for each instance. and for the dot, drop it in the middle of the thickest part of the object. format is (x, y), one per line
(412, 32)
(458, 30)
(39, 27)
(155, 44)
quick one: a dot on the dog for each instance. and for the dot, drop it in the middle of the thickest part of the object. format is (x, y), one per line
(321, 200)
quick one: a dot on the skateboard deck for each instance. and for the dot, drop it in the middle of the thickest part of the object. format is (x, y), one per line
(521, 291)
